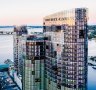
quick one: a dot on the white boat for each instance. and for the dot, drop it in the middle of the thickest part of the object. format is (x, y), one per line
(94, 67)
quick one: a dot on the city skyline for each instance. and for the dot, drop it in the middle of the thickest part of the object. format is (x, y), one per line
(31, 12)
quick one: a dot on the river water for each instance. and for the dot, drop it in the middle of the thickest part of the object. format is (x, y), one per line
(6, 47)
(6, 52)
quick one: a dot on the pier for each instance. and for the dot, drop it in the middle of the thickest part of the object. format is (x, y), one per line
(6, 33)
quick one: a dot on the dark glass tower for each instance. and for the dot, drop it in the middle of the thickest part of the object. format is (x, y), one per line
(33, 67)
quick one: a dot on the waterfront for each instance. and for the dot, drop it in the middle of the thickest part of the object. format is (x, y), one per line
(6, 52)
(92, 48)
(91, 78)
(6, 47)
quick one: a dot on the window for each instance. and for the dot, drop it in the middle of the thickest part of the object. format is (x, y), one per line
(81, 33)
(55, 53)
(58, 27)
(33, 72)
(57, 44)
(37, 80)
(47, 47)
(49, 81)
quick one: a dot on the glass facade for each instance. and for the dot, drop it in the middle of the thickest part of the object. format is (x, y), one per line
(66, 50)
(33, 75)
(17, 48)
(56, 60)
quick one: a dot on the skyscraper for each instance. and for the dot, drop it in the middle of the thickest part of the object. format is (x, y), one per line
(33, 67)
(66, 50)
(56, 60)
(17, 48)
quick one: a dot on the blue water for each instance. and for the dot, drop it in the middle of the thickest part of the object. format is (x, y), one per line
(6, 47)
(91, 78)
(6, 52)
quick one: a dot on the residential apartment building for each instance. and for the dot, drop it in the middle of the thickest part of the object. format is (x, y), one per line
(33, 66)
(19, 31)
(66, 50)
(56, 60)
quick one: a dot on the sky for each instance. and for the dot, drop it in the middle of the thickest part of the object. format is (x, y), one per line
(31, 12)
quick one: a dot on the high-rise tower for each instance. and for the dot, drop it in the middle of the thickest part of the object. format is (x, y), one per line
(66, 50)
(33, 67)
(17, 47)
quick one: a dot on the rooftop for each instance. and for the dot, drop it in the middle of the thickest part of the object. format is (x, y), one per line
(36, 37)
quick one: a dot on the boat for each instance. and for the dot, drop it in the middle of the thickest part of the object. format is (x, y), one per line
(94, 67)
